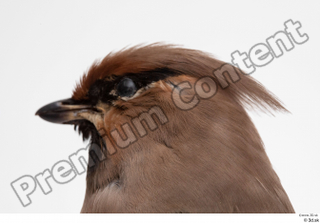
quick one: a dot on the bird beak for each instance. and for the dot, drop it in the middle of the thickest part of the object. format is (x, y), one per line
(63, 111)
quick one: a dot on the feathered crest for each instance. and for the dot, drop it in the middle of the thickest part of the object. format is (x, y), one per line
(246, 91)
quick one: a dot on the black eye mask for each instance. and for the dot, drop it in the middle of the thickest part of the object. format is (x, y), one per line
(125, 85)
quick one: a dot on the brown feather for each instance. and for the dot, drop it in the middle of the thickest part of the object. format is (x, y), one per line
(207, 159)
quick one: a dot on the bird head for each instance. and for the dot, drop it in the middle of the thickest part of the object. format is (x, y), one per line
(127, 104)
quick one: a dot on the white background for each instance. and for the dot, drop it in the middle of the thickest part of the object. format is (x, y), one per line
(45, 46)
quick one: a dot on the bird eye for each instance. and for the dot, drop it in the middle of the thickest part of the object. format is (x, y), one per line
(126, 87)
